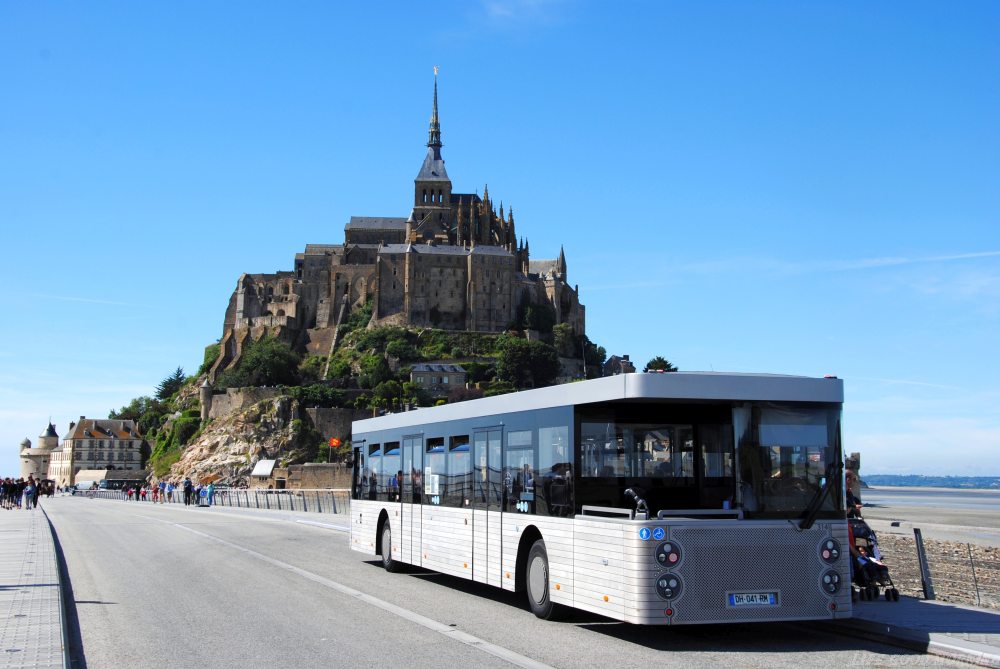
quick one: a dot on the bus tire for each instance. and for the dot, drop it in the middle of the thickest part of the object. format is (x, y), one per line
(537, 582)
(391, 565)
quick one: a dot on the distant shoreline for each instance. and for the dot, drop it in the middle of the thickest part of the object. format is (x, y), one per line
(928, 488)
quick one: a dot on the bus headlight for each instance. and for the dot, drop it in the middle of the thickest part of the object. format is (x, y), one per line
(668, 586)
(831, 582)
(829, 551)
(668, 554)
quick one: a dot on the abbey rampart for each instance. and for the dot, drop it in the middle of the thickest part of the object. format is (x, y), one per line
(455, 263)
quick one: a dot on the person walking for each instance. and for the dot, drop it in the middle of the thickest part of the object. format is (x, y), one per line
(29, 493)
(188, 490)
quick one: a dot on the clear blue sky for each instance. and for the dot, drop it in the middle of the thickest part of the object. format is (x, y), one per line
(803, 188)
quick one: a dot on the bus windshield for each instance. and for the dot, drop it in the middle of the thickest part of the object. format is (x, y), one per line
(688, 460)
(787, 456)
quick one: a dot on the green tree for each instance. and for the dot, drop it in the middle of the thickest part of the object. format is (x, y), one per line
(659, 364)
(212, 352)
(527, 364)
(374, 370)
(593, 357)
(139, 407)
(311, 369)
(170, 385)
(267, 362)
(413, 392)
(388, 393)
(564, 341)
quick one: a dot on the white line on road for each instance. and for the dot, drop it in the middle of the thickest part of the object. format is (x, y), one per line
(450, 632)
(339, 528)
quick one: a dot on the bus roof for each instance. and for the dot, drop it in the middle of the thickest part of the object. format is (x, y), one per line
(672, 385)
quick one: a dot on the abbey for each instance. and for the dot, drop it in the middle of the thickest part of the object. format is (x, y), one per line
(455, 263)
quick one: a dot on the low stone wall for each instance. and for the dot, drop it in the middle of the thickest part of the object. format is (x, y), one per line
(310, 476)
(238, 399)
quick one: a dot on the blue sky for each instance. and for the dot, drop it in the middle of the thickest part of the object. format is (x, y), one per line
(802, 188)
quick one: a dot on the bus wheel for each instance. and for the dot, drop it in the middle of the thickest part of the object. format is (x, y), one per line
(388, 562)
(537, 581)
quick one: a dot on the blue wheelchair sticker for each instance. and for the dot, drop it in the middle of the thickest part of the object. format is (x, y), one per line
(659, 533)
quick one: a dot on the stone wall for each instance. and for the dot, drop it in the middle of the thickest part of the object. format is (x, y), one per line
(335, 422)
(238, 399)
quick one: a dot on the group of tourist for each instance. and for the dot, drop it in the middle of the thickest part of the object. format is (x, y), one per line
(22, 493)
(170, 492)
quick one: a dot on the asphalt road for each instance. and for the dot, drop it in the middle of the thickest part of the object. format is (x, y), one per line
(151, 585)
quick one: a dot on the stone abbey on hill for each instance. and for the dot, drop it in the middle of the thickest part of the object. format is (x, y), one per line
(455, 263)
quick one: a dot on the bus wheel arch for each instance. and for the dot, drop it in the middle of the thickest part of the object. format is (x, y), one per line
(527, 540)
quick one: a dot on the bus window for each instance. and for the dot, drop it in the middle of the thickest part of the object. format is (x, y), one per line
(554, 483)
(435, 471)
(459, 479)
(375, 471)
(392, 474)
(519, 472)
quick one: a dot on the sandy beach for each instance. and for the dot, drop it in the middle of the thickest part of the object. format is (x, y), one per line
(961, 532)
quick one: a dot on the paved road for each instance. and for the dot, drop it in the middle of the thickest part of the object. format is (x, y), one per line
(155, 585)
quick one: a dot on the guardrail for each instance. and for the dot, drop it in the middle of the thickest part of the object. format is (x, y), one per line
(337, 500)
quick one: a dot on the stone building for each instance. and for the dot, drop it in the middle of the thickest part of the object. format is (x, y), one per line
(455, 263)
(95, 444)
(35, 460)
(438, 377)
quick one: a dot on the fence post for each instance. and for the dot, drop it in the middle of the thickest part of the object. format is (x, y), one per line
(925, 571)
(975, 580)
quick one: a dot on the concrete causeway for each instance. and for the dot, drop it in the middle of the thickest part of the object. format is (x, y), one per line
(33, 634)
(31, 608)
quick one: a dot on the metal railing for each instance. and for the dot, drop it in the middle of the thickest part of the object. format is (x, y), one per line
(963, 573)
(336, 500)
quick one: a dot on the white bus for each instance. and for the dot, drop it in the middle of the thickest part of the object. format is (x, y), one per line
(656, 499)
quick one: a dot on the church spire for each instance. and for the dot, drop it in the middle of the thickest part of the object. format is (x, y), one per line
(434, 134)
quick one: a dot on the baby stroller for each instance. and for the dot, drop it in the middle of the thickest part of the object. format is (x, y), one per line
(870, 573)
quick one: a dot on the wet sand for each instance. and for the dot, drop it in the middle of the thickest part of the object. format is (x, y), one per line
(944, 514)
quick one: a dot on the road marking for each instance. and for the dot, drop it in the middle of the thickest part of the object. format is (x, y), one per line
(339, 528)
(446, 630)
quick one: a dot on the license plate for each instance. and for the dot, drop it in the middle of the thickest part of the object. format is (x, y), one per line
(753, 598)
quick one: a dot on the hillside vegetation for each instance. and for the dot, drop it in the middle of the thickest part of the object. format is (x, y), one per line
(369, 370)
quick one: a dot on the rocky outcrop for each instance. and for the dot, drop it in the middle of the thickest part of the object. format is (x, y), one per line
(229, 446)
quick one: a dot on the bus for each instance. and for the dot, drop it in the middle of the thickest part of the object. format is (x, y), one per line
(657, 499)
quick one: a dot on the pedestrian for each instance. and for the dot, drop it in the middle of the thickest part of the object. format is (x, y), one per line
(211, 493)
(162, 486)
(188, 490)
(170, 491)
(29, 493)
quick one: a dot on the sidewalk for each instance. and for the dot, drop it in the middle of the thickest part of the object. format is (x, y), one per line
(964, 633)
(31, 611)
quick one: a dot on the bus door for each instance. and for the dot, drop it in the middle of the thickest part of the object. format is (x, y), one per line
(487, 491)
(411, 495)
